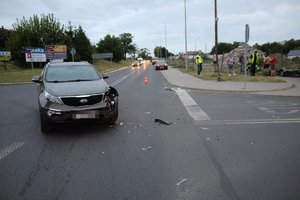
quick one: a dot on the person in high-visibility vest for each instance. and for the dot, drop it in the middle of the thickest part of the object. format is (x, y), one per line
(253, 60)
(199, 64)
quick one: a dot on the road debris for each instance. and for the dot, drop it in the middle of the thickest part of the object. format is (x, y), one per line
(160, 121)
(169, 89)
(204, 128)
(146, 149)
(121, 123)
(182, 181)
(147, 113)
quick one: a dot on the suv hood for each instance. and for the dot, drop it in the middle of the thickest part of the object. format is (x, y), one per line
(77, 88)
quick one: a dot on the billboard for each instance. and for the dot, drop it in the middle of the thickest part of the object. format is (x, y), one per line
(35, 54)
(54, 52)
(5, 56)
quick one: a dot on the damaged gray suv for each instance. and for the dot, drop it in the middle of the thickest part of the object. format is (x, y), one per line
(74, 91)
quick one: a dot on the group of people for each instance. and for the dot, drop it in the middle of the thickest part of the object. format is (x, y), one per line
(270, 61)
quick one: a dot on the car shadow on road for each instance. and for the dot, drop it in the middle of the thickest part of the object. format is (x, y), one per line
(81, 129)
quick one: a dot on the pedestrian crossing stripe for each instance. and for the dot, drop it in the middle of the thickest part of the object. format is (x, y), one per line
(248, 121)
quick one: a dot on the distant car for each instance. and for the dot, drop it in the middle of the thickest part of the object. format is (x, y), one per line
(154, 61)
(135, 64)
(161, 64)
(74, 91)
(289, 72)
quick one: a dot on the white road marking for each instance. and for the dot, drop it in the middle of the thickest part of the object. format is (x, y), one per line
(191, 106)
(249, 121)
(182, 181)
(5, 152)
(121, 79)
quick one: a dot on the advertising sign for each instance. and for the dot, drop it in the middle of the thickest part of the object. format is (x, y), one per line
(5, 56)
(55, 52)
(35, 55)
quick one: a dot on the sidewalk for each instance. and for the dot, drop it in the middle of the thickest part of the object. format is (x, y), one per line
(179, 79)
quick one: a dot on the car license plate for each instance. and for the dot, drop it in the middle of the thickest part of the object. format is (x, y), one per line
(86, 115)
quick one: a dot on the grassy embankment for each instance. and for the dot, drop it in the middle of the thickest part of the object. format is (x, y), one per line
(14, 74)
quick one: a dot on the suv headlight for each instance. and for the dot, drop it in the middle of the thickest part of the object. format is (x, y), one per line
(52, 98)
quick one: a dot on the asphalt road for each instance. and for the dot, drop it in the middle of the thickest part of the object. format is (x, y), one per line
(218, 146)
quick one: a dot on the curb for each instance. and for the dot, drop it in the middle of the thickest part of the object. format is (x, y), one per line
(289, 86)
(20, 83)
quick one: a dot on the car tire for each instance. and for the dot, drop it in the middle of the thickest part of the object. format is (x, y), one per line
(45, 124)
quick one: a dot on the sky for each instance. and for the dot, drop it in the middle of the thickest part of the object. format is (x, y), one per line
(162, 22)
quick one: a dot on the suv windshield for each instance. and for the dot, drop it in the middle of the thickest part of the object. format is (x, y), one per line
(71, 73)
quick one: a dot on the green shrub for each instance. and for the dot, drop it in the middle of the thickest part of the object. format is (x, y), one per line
(266, 72)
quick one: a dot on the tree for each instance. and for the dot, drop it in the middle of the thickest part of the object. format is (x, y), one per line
(224, 47)
(4, 35)
(160, 52)
(77, 39)
(82, 45)
(35, 32)
(144, 53)
(111, 44)
(128, 47)
(157, 52)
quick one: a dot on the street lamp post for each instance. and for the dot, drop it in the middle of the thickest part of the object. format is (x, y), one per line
(166, 50)
(185, 35)
(216, 38)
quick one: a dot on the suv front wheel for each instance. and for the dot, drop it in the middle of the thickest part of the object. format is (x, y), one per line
(45, 124)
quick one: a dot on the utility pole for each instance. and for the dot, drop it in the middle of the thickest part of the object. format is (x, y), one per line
(185, 35)
(216, 37)
(166, 50)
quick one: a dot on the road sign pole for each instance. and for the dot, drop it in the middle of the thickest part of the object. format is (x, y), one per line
(247, 35)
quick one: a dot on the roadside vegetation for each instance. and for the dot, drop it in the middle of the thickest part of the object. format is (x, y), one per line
(15, 74)
(38, 31)
(208, 72)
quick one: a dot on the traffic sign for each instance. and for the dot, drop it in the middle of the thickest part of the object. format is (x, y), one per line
(73, 51)
(247, 33)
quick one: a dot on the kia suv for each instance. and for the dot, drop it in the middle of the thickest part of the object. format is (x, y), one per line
(74, 91)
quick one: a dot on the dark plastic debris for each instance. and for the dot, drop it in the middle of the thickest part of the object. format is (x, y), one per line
(159, 121)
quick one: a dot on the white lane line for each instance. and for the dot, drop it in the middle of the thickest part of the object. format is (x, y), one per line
(249, 122)
(121, 79)
(5, 152)
(191, 106)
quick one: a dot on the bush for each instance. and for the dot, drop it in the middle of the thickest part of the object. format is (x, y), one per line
(266, 72)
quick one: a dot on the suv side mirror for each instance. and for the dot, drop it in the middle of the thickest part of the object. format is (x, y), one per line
(105, 76)
(36, 79)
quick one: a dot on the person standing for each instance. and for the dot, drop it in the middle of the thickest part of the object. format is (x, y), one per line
(272, 63)
(199, 64)
(253, 61)
(266, 61)
(230, 64)
(241, 61)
